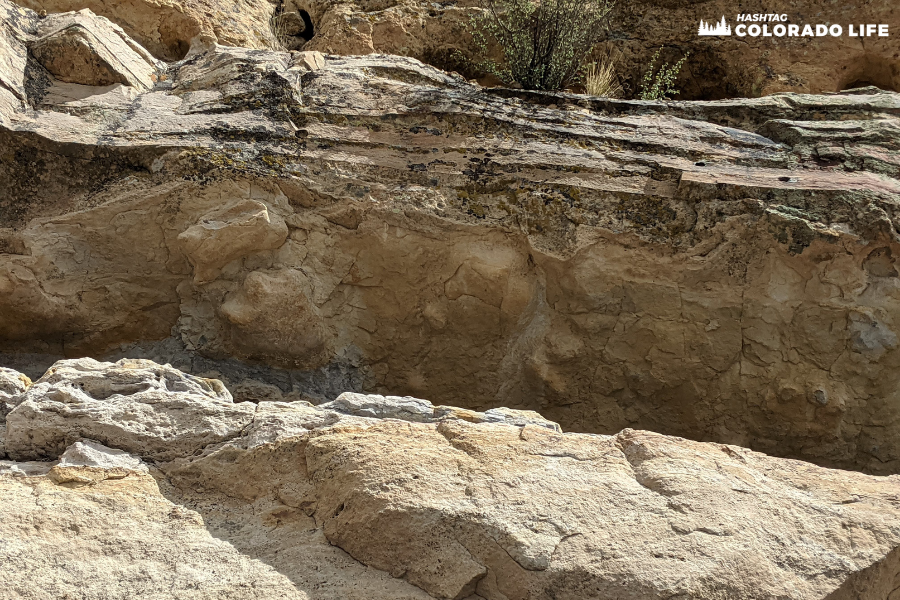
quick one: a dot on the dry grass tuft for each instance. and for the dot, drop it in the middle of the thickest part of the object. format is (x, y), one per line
(279, 37)
(600, 78)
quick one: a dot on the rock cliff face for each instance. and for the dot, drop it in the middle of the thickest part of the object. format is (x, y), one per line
(718, 67)
(318, 230)
(155, 484)
(304, 225)
(437, 33)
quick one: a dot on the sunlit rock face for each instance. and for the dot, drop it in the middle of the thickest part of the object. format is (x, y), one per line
(809, 55)
(302, 225)
(395, 498)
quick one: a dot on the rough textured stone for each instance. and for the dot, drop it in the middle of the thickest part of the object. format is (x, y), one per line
(308, 61)
(229, 466)
(89, 50)
(133, 405)
(417, 410)
(12, 383)
(310, 503)
(92, 454)
(167, 27)
(119, 539)
(88, 462)
(724, 271)
(310, 225)
(229, 233)
(529, 513)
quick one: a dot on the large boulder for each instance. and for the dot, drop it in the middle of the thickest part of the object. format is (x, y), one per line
(88, 50)
(505, 512)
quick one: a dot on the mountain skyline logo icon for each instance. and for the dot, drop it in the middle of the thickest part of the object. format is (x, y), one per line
(720, 28)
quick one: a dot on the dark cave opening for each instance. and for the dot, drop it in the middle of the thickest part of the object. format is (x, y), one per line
(293, 27)
(308, 29)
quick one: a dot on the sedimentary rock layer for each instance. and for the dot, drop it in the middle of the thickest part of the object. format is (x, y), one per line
(724, 271)
(441, 34)
(387, 497)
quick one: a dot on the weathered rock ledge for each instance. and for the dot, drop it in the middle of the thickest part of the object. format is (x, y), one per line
(155, 484)
(723, 271)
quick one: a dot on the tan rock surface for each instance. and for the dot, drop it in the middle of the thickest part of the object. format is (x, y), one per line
(309, 502)
(119, 539)
(724, 271)
(12, 383)
(526, 513)
(437, 33)
(167, 27)
(89, 50)
(230, 233)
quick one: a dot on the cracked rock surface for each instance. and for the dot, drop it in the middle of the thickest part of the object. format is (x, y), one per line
(303, 225)
(438, 33)
(414, 501)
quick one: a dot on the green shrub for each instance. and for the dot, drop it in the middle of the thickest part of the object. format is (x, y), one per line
(659, 85)
(543, 42)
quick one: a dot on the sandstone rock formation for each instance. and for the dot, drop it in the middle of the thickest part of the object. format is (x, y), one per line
(304, 225)
(167, 28)
(438, 33)
(84, 49)
(718, 67)
(393, 498)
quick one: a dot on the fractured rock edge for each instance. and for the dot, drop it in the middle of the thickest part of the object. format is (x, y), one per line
(455, 502)
(724, 271)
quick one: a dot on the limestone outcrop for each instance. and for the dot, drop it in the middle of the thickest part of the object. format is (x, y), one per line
(139, 406)
(384, 497)
(303, 225)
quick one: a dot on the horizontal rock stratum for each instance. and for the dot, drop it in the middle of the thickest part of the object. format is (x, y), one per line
(301, 225)
(156, 484)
